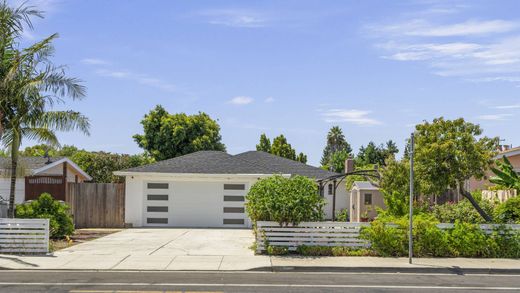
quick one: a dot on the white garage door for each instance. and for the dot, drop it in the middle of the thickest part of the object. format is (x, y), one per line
(195, 204)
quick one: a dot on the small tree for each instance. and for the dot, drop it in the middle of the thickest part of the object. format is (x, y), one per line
(171, 135)
(505, 175)
(336, 142)
(449, 152)
(265, 144)
(285, 200)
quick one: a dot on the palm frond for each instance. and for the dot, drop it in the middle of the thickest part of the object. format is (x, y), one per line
(41, 134)
(64, 121)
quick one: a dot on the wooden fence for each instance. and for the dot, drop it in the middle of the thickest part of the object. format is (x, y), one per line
(326, 234)
(310, 234)
(36, 185)
(24, 235)
(97, 205)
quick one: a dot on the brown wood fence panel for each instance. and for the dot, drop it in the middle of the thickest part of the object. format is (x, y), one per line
(97, 205)
(36, 185)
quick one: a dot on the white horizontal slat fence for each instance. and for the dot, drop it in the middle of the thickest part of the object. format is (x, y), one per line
(24, 235)
(328, 234)
(309, 234)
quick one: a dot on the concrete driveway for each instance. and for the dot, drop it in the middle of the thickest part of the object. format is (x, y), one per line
(154, 249)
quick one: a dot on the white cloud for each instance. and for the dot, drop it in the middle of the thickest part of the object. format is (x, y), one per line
(241, 100)
(353, 116)
(234, 18)
(423, 28)
(94, 61)
(139, 78)
(269, 100)
(494, 117)
(506, 107)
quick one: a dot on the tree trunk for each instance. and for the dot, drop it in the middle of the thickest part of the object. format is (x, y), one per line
(468, 195)
(14, 165)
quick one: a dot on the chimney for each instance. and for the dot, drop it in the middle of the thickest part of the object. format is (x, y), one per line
(349, 165)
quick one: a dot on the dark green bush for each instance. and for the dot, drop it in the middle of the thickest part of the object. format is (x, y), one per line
(464, 239)
(462, 211)
(285, 200)
(509, 211)
(332, 251)
(342, 216)
(314, 250)
(386, 239)
(45, 207)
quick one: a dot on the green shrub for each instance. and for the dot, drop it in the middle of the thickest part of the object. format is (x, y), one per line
(509, 211)
(468, 240)
(429, 240)
(347, 251)
(386, 239)
(285, 200)
(314, 250)
(462, 211)
(342, 216)
(505, 242)
(45, 207)
(277, 250)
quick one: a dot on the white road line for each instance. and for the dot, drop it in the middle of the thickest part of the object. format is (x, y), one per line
(90, 284)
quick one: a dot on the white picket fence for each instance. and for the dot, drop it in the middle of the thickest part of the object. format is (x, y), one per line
(310, 234)
(24, 235)
(325, 234)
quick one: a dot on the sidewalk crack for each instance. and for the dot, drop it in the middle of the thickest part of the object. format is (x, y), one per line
(184, 233)
(112, 267)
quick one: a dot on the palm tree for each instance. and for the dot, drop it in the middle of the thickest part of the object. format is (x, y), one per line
(12, 22)
(32, 85)
(335, 142)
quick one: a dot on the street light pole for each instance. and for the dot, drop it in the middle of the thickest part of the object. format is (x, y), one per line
(410, 239)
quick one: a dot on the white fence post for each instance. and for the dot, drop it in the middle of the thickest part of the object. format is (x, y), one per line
(24, 235)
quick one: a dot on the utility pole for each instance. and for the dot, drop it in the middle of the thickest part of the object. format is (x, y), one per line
(410, 239)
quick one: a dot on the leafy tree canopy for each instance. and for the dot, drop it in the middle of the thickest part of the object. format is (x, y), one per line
(336, 142)
(280, 147)
(171, 135)
(448, 152)
(377, 155)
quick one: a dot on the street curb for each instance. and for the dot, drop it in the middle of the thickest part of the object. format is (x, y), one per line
(424, 270)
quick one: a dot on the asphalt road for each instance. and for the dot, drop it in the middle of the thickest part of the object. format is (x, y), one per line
(100, 282)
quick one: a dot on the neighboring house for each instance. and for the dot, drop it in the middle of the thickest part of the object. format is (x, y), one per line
(38, 175)
(208, 188)
(364, 198)
(512, 154)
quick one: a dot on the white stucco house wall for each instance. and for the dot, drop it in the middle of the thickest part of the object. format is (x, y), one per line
(208, 188)
(37, 166)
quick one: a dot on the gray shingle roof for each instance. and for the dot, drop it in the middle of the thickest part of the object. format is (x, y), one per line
(215, 162)
(366, 185)
(30, 163)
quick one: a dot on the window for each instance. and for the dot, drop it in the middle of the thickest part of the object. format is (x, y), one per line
(157, 185)
(157, 209)
(157, 197)
(233, 198)
(331, 187)
(234, 221)
(234, 210)
(234, 186)
(157, 220)
(368, 198)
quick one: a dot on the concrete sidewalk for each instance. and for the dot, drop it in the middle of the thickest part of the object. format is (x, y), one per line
(258, 263)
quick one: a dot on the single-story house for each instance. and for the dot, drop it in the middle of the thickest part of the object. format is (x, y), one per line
(365, 198)
(208, 188)
(38, 175)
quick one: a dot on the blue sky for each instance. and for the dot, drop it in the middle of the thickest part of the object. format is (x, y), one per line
(375, 68)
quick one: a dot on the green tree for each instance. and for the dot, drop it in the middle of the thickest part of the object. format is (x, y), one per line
(265, 144)
(101, 165)
(336, 142)
(32, 86)
(449, 152)
(39, 150)
(337, 161)
(302, 158)
(282, 148)
(171, 135)
(376, 155)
